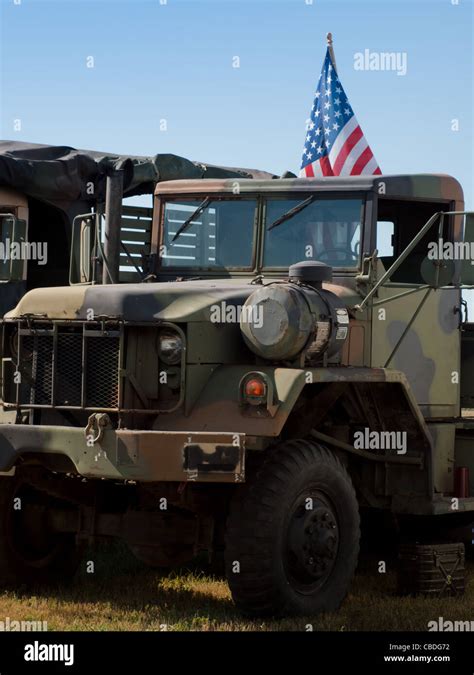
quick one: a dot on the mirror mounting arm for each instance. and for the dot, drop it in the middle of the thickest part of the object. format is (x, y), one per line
(401, 258)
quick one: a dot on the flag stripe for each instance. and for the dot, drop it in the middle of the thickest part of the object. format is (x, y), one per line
(371, 166)
(317, 169)
(353, 156)
(353, 139)
(344, 134)
(362, 162)
(326, 166)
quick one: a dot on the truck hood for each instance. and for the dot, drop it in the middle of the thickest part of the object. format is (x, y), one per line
(150, 302)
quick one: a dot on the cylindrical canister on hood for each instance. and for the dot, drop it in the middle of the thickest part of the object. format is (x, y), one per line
(282, 320)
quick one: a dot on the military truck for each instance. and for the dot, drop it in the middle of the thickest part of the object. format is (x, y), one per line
(296, 351)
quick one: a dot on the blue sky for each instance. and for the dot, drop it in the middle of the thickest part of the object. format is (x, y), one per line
(174, 62)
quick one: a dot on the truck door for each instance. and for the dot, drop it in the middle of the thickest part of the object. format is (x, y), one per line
(427, 351)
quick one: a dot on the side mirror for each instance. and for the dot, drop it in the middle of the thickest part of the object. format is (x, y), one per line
(12, 240)
(467, 266)
(437, 272)
(82, 268)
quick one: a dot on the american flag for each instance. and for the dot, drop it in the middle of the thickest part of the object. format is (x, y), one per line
(335, 144)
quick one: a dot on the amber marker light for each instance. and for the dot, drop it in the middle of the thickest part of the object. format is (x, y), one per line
(255, 388)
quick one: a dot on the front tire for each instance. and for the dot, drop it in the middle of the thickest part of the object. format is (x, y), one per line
(293, 534)
(30, 552)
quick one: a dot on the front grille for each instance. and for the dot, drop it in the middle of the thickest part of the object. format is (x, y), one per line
(71, 366)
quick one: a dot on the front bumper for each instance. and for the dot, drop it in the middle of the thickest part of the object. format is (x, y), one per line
(149, 456)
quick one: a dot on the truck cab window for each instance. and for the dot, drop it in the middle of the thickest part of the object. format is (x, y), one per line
(397, 223)
(385, 242)
(220, 233)
(328, 230)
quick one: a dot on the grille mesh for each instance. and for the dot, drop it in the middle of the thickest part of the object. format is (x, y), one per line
(69, 369)
(102, 372)
(38, 369)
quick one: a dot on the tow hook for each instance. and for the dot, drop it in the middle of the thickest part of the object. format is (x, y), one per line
(96, 425)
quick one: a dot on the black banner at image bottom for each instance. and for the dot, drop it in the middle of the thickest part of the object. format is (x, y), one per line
(137, 652)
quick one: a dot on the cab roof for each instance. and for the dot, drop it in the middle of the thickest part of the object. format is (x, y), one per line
(417, 186)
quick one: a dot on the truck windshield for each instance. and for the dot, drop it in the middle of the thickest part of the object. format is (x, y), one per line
(221, 236)
(325, 229)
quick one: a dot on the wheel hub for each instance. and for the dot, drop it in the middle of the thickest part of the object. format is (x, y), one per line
(313, 541)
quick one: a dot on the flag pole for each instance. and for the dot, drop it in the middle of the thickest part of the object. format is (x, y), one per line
(331, 50)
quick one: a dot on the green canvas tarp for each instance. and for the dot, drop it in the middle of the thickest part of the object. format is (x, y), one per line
(60, 175)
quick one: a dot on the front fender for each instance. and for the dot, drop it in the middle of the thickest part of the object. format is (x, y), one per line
(216, 405)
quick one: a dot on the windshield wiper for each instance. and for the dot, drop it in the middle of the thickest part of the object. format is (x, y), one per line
(132, 261)
(203, 205)
(292, 212)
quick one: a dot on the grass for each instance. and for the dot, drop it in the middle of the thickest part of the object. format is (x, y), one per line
(123, 595)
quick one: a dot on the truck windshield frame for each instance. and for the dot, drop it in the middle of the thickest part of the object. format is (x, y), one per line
(309, 235)
(197, 247)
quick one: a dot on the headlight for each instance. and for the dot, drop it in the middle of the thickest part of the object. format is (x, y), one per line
(170, 347)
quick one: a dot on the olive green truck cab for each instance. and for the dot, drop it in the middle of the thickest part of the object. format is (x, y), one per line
(289, 353)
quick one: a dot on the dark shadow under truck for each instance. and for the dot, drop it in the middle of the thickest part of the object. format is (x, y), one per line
(292, 353)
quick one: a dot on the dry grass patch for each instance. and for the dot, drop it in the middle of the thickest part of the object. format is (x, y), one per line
(124, 595)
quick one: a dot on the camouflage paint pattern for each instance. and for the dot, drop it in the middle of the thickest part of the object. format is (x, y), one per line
(216, 362)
